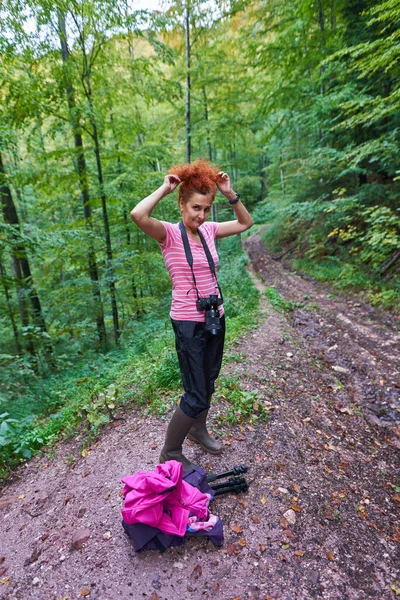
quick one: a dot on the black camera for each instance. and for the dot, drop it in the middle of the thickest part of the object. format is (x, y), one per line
(210, 305)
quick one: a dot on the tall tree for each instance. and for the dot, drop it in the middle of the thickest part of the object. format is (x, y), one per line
(83, 177)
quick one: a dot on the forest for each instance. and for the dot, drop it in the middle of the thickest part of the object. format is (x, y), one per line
(299, 101)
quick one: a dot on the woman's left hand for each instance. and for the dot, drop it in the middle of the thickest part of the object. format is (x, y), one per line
(224, 183)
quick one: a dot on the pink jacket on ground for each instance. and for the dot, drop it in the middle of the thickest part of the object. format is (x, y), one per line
(162, 499)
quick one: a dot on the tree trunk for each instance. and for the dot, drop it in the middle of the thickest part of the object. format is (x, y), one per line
(262, 175)
(188, 132)
(282, 174)
(110, 269)
(214, 208)
(83, 181)
(10, 311)
(20, 258)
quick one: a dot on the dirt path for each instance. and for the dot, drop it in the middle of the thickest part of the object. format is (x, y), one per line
(329, 452)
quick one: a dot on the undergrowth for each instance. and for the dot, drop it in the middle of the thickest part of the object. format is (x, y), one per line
(236, 405)
(344, 237)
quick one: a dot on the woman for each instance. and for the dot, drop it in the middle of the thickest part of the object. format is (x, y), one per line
(199, 351)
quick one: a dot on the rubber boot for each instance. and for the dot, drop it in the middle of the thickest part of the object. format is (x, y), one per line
(198, 433)
(178, 429)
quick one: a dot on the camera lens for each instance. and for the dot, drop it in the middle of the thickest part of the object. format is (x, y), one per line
(213, 324)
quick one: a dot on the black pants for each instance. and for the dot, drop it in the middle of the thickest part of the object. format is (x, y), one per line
(200, 358)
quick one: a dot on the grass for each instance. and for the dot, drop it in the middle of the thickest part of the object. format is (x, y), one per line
(345, 277)
(277, 302)
(240, 405)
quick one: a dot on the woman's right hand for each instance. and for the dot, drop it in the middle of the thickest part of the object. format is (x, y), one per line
(171, 182)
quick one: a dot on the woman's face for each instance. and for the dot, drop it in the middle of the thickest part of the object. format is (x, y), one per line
(196, 210)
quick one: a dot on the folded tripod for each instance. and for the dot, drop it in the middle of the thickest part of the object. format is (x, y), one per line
(234, 484)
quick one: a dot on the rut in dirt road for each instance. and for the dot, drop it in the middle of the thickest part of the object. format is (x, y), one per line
(321, 517)
(361, 344)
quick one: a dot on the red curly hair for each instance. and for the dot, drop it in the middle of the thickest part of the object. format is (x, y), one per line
(199, 176)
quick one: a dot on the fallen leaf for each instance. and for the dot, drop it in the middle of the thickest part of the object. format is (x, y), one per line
(396, 497)
(85, 452)
(197, 572)
(33, 558)
(283, 523)
(362, 513)
(242, 542)
(243, 503)
(21, 497)
(285, 546)
(85, 592)
(295, 507)
(282, 557)
(299, 552)
(330, 556)
(396, 536)
(4, 580)
(327, 469)
(236, 528)
(2, 559)
(232, 549)
(153, 446)
(269, 443)
(296, 488)
(263, 548)
(289, 534)
(263, 500)
(154, 596)
(395, 589)
(255, 519)
(3, 571)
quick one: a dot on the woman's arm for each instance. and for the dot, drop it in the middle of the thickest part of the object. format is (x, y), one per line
(141, 214)
(244, 220)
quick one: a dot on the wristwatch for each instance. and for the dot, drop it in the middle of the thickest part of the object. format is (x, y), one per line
(235, 200)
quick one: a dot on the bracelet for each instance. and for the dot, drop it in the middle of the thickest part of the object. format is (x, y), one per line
(235, 200)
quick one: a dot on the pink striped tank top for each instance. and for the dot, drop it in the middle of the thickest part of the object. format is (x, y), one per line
(183, 307)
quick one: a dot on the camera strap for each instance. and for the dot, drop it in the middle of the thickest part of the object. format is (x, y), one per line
(189, 257)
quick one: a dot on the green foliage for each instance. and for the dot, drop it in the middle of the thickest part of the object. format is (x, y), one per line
(276, 300)
(99, 410)
(241, 406)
